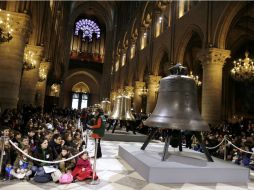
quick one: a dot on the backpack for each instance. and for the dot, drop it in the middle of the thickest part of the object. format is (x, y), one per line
(42, 178)
(66, 178)
(56, 175)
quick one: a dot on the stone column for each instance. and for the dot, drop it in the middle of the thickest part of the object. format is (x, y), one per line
(212, 61)
(11, 54)
(30, 77)
(137, 96)
(113, 95)
(153, 84)
(41, 84)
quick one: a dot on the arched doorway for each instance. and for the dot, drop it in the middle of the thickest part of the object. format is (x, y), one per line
(80, 96)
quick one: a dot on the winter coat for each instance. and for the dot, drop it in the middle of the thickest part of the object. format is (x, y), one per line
(68, 165)
(43, 154)
(21, 163)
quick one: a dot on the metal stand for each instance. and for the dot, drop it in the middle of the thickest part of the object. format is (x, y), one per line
(95, 182)
(150, 136)
(2, 153)
(114, 126)
(202, 144)
(166, 145)
(86, 138)
(167, 142)
(225, 148)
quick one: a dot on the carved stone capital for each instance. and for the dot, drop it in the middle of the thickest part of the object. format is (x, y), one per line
(45, 66)
(120, 91)
(153, 80)
(20, 23)
(36, 50)
(139, 84)
(213, 56)
(128, 88)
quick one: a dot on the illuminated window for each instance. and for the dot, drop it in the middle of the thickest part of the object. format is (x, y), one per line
(88, 27)
(133, 48)
(143, 40)
(123, 59)
(117, 65)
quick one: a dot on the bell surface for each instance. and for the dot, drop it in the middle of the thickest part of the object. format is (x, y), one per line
(122, 109)
(176, 106)
(105, 106)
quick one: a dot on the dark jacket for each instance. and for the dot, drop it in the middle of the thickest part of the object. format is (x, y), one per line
(43, 154)
(56, 148)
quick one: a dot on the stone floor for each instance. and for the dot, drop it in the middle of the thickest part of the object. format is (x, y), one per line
(116, 174)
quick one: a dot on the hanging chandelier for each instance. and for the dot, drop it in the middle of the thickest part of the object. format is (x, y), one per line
(5, 28)
(29, 62)
(243, 69)
(195, 78)
(42, 75)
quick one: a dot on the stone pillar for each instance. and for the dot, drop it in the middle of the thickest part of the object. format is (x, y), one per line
(113, 95)
(137, 96)
(153, 85)
(212, 61)
(41, 84)
(30, 77)
(11, 54)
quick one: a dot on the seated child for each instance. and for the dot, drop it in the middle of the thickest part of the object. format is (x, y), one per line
(66, 167)
(22, 165)
(83, 169)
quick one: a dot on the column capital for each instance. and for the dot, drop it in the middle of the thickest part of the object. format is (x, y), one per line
(20, 23)
(139, 84)
(36, 50)
(120, 91)
(45, 65)
(33, 55)
(129, 90)
(153, 79)
(213, 56)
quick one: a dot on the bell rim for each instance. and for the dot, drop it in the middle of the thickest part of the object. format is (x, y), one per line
(179, 124)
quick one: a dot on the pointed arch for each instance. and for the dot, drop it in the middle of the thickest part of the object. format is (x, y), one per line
(185, 40)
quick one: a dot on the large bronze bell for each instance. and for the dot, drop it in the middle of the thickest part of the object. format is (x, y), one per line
(177, 106)
(122, 109)
(177, 109)
(105, 106)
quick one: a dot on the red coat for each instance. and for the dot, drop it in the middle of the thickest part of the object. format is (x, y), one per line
(82, 175)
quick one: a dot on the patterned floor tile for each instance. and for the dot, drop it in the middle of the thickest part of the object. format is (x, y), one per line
(152, 186)
(115, 186)
(132, 182)
(136, 175)
(110, 176)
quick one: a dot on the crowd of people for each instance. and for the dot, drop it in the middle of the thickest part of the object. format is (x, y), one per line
(48, 137)
(55, 136)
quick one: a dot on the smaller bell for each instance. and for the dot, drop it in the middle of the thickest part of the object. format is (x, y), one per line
(105, 106)
(122, 109)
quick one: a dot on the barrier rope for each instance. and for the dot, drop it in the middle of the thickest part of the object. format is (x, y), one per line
(239, 148)
(225, 139)
(44, 161)
(213, 147)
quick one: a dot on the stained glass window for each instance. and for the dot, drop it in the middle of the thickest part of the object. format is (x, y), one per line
(88, 27)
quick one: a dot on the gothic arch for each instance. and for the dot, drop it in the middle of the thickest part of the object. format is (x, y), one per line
(223, 25)
(185, 40)
(158, 57)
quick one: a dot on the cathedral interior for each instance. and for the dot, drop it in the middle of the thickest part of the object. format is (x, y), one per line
(75, 54)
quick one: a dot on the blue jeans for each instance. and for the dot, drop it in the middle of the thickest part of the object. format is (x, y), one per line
(38, 170)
